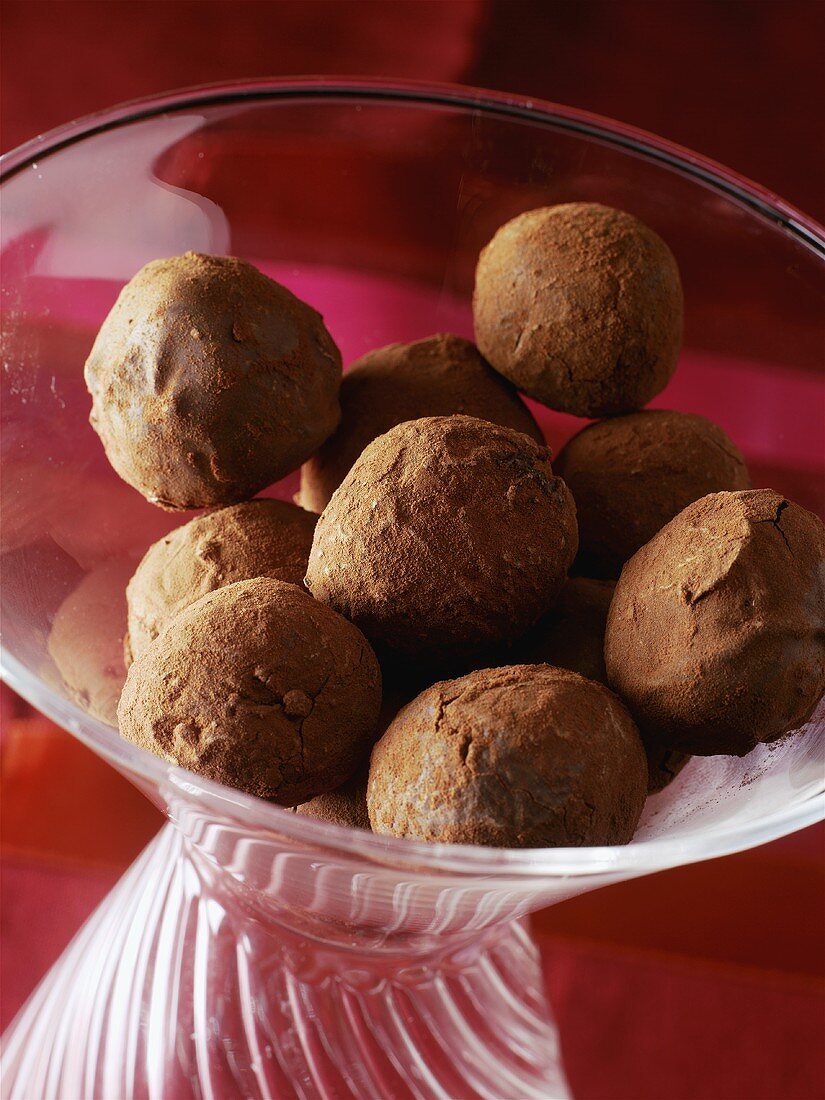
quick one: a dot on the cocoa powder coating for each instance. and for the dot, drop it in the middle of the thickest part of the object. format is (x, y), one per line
(346, 805)
(449, 535)
(259, 538)
(571, 635)
(629, 476)
(209, 381)
(580, 306)
(519, 757)
(434, 377)
(716, 632)
(86, 639)
(260, 687)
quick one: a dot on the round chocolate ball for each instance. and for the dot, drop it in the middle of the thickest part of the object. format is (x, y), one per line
(86, 639)
(520, 757)
(580, 306)
(571, 635)
(259, 538)
(716, 632)
(448, 536)
(631, 475)
(260, 687)
(209, 381)
(434, 377)
(346, 805)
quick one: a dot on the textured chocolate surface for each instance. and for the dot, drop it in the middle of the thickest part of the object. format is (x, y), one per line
(260, 687)
(524, 756)
(346, 805)
(716, 633)
(438, 376)
(86, 639)
(630, 475)
(449, 535)
(580, 306)
(259, 538)
(209, 381)
(571, 635)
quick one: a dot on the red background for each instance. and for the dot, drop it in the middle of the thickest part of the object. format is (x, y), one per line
(704, 982)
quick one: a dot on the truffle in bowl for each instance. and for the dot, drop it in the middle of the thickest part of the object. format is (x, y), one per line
(311, 952)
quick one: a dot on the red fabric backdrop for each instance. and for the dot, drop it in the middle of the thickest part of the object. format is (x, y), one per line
(700, 983)
(738, 80)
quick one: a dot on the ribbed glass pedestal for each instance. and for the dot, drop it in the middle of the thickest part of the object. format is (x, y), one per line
(175, 988)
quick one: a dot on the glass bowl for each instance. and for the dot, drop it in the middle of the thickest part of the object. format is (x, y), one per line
(250, 951)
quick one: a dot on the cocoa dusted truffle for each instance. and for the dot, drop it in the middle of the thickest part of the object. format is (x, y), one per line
(525, 756)
(580, 306)
(346, 805)
(631, 475)
(434, 377)
(259, 538)
(663, 765)
(449, 535)
(209, 381)
(260, 687)
(571, 635)
(716, 633)
(86, 639)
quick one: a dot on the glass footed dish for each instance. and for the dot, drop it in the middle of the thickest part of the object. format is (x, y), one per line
(248, 951)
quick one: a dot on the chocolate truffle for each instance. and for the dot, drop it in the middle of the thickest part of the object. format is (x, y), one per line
(448, 535)
(663, 765)
(434, 377)
(259, 538)
(209, 381)
(346, 805)
(519, 757)
(86, 639)
(258, 686)
(571, 635)
(716, 633)
(580, 306)
(631, 475)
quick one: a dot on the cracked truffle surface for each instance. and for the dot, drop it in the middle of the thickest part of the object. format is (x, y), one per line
(525, 756)
(260, 687)
(580, 306)
(448, 536)
(259, 538)
(571, 635)
(631, 475)
(209, 381)
(716, 633)
(438, 376)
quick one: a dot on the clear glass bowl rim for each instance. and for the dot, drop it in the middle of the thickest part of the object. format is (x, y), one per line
(441, 859)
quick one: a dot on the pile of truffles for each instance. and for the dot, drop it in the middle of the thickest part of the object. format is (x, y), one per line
(447, 637)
